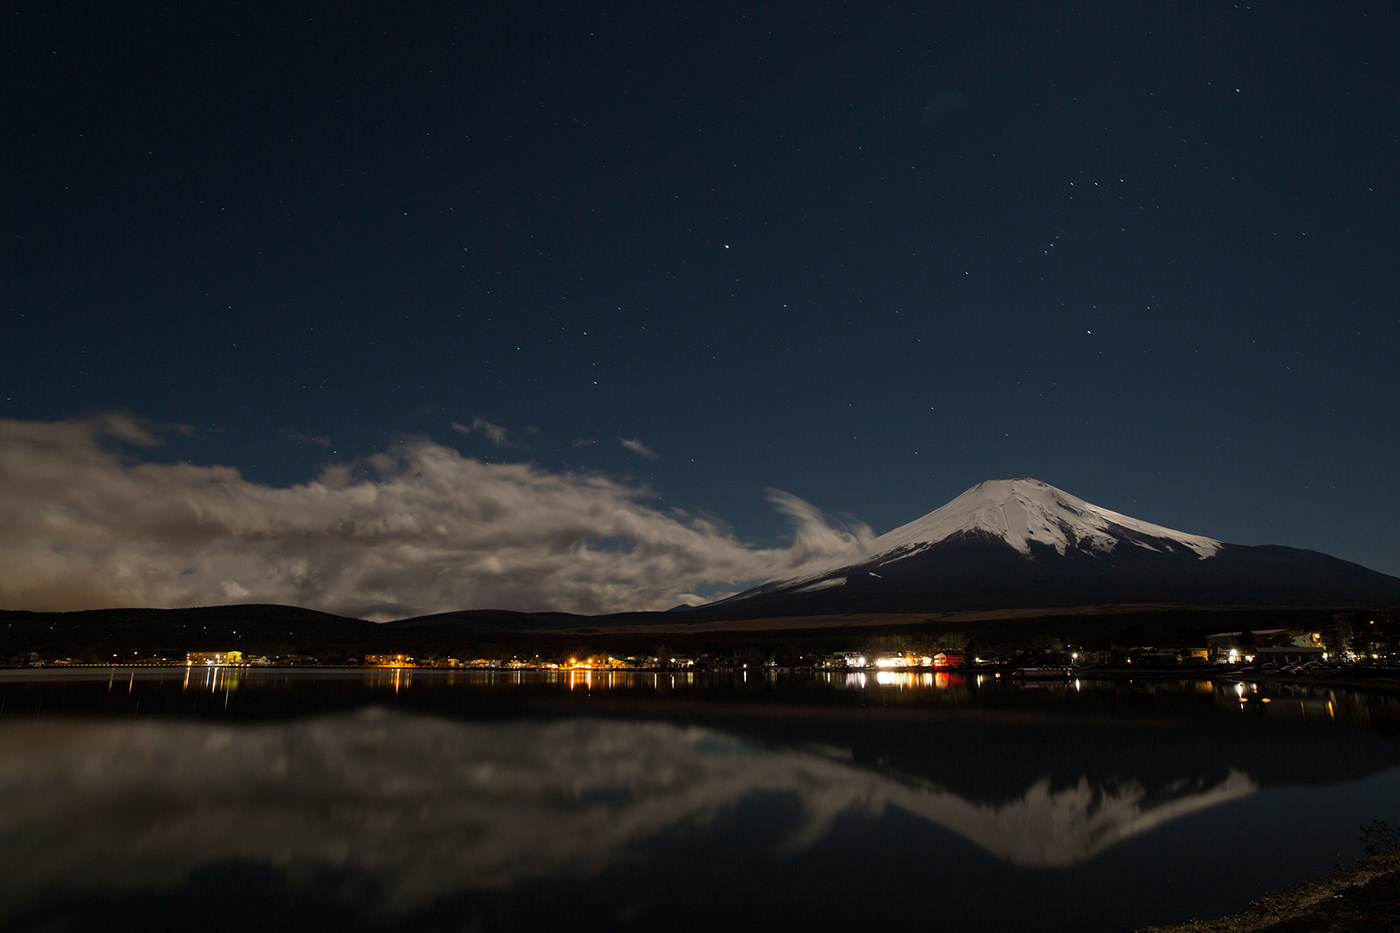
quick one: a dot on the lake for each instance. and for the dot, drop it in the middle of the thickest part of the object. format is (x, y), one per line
(230, 798)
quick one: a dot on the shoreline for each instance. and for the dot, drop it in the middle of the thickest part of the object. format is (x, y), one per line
(1362, 896)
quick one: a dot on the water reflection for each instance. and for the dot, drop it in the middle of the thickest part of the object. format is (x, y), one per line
(210, 678)
(927, 680)
(428, 806)
(1310, 702)
(385, 812)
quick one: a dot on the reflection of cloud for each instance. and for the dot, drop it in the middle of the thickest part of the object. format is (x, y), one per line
(421, 529)
(423, 808)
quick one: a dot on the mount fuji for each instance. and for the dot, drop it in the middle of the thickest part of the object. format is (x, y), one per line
(1022, 543)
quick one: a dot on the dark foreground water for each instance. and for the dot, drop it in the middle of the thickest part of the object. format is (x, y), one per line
(424, 800)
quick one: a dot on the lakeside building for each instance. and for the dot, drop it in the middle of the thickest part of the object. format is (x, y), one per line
(389, 660)
(1232, 647)
(213, 658)
(1290, 654)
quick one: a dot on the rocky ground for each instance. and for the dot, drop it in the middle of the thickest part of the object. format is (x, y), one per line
(1364, 898)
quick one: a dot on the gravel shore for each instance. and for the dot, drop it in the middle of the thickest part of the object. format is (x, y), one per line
(1362, 898)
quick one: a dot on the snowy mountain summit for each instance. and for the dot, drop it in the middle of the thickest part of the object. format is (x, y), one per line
(1023, 512)
(1023, 543)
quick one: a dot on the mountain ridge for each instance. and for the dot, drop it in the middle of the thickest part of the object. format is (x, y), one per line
(1023, 542)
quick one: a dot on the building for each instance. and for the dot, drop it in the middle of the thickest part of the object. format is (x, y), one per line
(1289, 654)
(214, 658)
(389, 660)
(1231, 647)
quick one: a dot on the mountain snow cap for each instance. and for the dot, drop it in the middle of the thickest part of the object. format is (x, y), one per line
(1022, 511)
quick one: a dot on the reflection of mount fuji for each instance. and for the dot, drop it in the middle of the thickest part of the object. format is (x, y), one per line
(419, 809)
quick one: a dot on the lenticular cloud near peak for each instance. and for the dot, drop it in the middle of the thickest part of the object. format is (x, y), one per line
(85, 522)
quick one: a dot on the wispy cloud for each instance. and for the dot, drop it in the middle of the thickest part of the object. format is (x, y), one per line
(86, 522)
(640, 449)
(495, 433)
(296, 437)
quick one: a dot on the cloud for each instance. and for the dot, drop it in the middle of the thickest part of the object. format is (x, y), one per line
(296, 437)
(495, 433)
(638, 448)
(85, 522)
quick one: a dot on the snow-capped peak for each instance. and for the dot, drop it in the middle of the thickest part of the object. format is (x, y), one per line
(1026, 511)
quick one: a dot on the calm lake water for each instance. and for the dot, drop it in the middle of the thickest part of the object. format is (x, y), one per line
(435, 800)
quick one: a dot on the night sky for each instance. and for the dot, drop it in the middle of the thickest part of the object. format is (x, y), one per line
(396, 308)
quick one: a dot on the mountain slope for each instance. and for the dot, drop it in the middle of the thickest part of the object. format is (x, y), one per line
(1024, 543)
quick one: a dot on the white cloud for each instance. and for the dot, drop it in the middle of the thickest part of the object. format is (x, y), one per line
(640, 449)
(86, 523)
(495, 433)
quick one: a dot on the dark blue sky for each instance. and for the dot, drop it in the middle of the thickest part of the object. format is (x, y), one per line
(868, 254)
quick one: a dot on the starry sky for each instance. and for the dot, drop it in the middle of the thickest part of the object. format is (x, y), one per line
(397, 308)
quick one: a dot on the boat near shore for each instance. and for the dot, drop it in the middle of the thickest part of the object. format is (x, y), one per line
(1043, 673)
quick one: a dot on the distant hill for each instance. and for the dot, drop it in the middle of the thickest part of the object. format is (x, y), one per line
(1017, 554)
(172, 632)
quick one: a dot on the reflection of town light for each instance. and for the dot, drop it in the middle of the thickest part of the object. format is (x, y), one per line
(887, 678)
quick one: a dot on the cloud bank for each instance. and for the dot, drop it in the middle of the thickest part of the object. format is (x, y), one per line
(87, 522)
